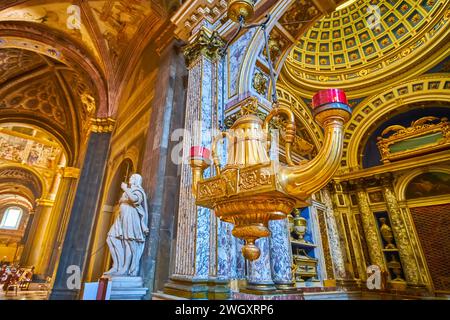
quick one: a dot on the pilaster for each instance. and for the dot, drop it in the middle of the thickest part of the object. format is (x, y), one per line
(281, 254)
(404, 245)
(61, 212)
(75, 251)
(369, 226)
(193, 274)
(337, 253)
(34, 246)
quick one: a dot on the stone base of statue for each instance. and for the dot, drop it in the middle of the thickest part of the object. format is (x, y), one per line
(127, 288)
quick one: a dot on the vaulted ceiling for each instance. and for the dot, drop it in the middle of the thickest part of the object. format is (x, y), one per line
(63, 62)
(38, 90)
(367, 43)
(107, 35)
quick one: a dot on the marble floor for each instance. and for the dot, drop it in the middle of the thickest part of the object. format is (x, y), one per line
(35, 292)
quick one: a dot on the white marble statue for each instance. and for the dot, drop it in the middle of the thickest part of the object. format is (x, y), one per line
(126, 238)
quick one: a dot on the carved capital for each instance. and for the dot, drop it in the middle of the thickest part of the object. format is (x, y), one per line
(102, 125)
(71, 172)
(360, 184)
(204, 45)
(45, 202)
(385, 179)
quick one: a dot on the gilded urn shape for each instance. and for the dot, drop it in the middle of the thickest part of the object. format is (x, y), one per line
(300, 226)
(396, 267)
(386, 233)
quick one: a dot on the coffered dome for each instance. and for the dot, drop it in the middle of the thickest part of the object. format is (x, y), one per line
(366, 39)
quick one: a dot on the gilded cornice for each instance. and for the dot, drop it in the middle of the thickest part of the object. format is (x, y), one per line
(194, 12)
(425, 160)
(102, 125)
(45, 202)
(71, 172)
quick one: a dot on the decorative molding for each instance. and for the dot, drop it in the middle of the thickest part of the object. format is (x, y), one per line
(410, 267)
(102, 125)
(193, 13)
(435, 87)
(71, 172)
(45, 202)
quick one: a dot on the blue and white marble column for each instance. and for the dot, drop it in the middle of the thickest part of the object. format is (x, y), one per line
(196, 257)
(259, 274)
(281, 254)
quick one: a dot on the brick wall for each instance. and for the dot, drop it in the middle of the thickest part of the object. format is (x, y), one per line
(433, 228)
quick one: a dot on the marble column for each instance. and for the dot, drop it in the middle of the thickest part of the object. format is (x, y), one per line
(259, 272)
(191, 272)
(370, 227)
(66, 190)
(281, 254)
(34, 247)
(76, 246)
(337, 252)
(404, 245)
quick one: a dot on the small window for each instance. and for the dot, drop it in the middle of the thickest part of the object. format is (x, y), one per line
(11, 218)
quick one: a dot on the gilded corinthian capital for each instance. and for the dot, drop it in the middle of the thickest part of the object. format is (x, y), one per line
(204, 44)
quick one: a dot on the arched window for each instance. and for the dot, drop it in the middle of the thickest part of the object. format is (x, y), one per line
(11, 218)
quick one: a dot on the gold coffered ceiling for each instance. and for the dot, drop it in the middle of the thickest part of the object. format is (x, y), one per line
(344, 50)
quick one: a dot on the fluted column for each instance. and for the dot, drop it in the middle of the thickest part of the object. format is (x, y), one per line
(404, 245)
(63, 202)
(370, 227)
(34, 246)
(195, 237)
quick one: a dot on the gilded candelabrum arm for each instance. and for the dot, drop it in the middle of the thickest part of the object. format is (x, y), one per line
(303, 180)
(200, 160)
(290, 129)
(215, 155)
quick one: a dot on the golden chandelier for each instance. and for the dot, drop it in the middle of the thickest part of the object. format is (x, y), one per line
(251, 189)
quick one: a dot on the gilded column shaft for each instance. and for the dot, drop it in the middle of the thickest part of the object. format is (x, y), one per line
(43, 215)
(61, 208)
(404, 245)
(370, 229)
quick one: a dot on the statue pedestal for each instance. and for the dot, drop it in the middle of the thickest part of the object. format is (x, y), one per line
(127, 288)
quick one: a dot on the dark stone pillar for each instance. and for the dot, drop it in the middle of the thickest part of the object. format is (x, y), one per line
(160, 173)
(82, 217)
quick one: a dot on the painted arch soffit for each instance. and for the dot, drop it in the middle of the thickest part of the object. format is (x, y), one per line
(428, 88)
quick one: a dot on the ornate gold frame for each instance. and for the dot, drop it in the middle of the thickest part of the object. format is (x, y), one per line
(419, 128)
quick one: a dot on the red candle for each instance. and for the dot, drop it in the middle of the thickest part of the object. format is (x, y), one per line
(329, 96)
(200, 152)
